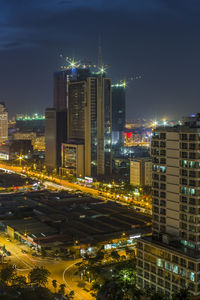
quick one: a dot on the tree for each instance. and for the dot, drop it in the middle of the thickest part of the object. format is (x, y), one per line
(114, 254)
(35, 294)
(56, 252)
(7, 273)
(39, 275)
(100, 254)
(130, 252)
(3, 248)
(54, 283)
(62, 289)
(19, 281)
(71, 295)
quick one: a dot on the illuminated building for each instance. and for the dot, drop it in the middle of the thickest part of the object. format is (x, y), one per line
(118, 113)
(3, 123)
(30, 123)
(141, 172)
(140, 137)
(86, 99)
(73, 160)
(55, 135)
(170, 259)
(61, 79)
(38, 141)
(56, 123)
(26, 117)
(90, 121)
(60, 89)
(20, 147)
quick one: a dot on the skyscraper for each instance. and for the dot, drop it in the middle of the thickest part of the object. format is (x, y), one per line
(118, 113)
(55, 135)
(3, 122)
(61, 79)
(87, 99)
(90, 121)
(56, 120)
(170, 259)
(60, 89)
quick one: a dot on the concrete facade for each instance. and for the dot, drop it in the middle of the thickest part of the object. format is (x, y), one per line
(141, 172)
(170, 260)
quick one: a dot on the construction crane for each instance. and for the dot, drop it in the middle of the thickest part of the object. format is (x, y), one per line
(124, 82)
(72, 63)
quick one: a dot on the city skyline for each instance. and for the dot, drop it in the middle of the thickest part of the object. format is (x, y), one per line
(155, 39)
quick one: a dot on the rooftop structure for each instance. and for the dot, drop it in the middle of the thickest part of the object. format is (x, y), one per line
(48, 215)
(27, 117)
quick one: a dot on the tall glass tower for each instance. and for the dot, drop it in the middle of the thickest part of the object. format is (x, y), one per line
(90, 121)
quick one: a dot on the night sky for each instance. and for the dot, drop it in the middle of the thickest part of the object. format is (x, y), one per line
(157, 39)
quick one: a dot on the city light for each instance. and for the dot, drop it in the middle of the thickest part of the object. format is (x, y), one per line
(120, 85)
(26, 117)
(102, 70)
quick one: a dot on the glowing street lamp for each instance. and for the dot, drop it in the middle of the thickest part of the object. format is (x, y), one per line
(20, 158)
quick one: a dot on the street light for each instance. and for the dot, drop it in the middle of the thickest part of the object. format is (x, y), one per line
(20, 158)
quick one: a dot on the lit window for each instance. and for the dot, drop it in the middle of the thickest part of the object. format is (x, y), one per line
(162, 169)
(175, 269)
(159, 262)
(191, 276)
(167, 266)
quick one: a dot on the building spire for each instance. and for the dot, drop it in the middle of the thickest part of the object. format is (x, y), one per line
(100, 53)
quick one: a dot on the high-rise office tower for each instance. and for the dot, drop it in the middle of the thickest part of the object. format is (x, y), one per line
(61, 79)
(55, 135)
(90, 121)
(170, 259)
(118, 113)
(56, 120)
(87, 99)
(3, 122)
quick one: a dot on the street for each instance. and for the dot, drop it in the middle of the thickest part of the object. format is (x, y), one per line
(61, 270)
(59, 183)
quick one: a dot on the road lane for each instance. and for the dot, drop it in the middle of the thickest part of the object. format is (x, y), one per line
(72, 282)
(62, 271)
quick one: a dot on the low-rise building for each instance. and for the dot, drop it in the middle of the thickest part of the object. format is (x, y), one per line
(72, 157)
(141, 172)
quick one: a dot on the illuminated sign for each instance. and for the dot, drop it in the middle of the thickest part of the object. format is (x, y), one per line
(89, 179)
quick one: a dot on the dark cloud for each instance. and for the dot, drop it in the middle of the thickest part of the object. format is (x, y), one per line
(157, 38)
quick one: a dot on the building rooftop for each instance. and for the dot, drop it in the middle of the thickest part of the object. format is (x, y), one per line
(77, 216)
(189, 123)
(31, 227)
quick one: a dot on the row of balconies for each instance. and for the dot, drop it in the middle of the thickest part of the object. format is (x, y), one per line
(158, 136)
(184, 181)
(174, 283)
(191, 201)
(189, 137)
(166, 257)
(189, 218)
